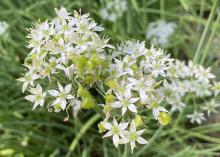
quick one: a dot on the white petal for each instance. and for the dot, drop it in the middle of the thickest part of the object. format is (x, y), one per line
(107, 125)
(69, 96)
(54, 93)
(132, 146)
(109, 133)
(115, 122)
(127, 93)
(30, 98)
(132, 108)
(63, 104)
(132, 126)
(133, 100)
(116, 104)
(60, 87)
(68, 88)
(140, 132)
(123, 140)
(116, 140)
(124, 109)
(123, 126)
(141, 140)
(25, 84)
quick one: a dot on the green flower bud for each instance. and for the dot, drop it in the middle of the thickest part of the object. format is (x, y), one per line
(138, 121)
(164, 118)
(83, 92)
(134, 67)
(111, 83)
(90, 79)
(87, 103)
(101, 128)
(109, 98)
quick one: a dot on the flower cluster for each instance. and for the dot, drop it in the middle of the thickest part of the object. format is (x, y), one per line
(159, 32)
(68, 60)
(113, 10)
(65, 51)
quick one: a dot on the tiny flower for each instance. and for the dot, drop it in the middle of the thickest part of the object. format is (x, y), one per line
(115, 130)
(211, 106)
(196, 117)
(142, 86)
(62, 13)
(159, 32)
(62, 95)
(37, 97)
(28, 78)
(125, 102)
(133, 136)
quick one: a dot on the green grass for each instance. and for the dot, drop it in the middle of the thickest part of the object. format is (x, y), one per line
(41, 133)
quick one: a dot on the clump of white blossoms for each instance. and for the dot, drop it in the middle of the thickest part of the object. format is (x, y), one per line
(3, 27)
(70, 67)
(159, 32)
(112, 10)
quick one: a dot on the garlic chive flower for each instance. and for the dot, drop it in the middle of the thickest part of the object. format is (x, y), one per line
(115, 130)
(75, 66)
(37, 97)
(61, 95)
(132, 136)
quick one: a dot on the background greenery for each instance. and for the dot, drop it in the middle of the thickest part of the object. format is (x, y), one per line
(44, 134)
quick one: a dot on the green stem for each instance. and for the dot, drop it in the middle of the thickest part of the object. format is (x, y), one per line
(205, 32)
(85, 127)
(210, 39)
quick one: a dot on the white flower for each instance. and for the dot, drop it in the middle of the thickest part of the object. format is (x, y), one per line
(62, 95)
(204, 75)
(28, 78)
(115, 130)
(125, 101)
(196, 117)
(142, 86)
(113, 10)
(3, 27)
(133, 136)
(62, 13)
(159, 32)
(37, 97)
(211, 106)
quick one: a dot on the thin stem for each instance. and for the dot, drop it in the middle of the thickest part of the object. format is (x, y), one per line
(85, 127)
(205, 32)
(210, 39)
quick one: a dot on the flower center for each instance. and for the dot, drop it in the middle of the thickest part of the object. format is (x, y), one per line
(62, 95)
(133, 136)
(115, 130)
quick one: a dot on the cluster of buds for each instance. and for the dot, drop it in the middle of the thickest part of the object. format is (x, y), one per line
(70, 66)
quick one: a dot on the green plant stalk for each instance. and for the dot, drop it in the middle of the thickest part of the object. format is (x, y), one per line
(198, 53)
(85, 127)
(210, 39)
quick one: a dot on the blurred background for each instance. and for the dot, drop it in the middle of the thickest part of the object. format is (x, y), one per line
(178, 23)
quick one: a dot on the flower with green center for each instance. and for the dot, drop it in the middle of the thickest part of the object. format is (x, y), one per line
(133, 136)
(37, 97)
(115, 130)
(28, 78)
(125, 101)
(62, 95)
